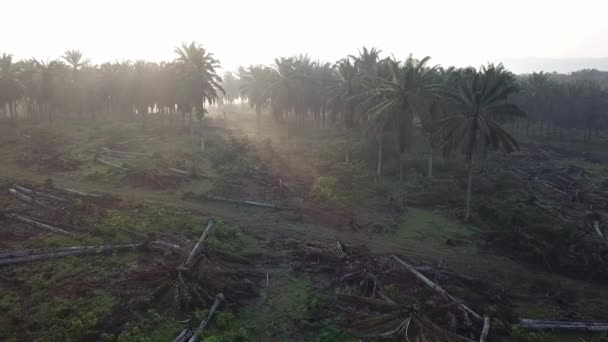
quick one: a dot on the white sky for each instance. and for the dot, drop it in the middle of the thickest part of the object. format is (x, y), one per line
(243, 32)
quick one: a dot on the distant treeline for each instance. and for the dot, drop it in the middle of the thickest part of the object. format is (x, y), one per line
(297, 86)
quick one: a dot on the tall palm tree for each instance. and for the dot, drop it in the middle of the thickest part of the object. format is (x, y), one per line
(477, 104)
(398, 98)
(342, 98)
(231, 85)
(75, 59)
(256, 83)
(200, 79)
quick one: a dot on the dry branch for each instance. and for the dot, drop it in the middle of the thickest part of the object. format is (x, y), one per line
(85, 250)
(218, 300)
(31, 192)
(251, 203)
(437, 288)
(198, 247)
(41, 225)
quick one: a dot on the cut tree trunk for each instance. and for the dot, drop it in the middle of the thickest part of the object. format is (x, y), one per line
(179, 172)
(81, 194)
(216, 304)
(31, 192)
(20, 196)
(487, 322)
(198, 248)
(41, 225)
(252, 203)
(118, 152)
(437, 288)
(87, 250)
(112, 164)
(535, 324)
(184, 336)
(35, 251)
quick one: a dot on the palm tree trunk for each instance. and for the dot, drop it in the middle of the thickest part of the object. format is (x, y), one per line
(379, 137)
(430, 171)
(258, 118)
(348, 144)
(202, 135)
(467, 216)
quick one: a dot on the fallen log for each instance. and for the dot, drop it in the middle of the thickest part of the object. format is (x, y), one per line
(105, 162)
(20, 196)
(166, 245)
(41, 225)
(184, 336)
(218, 300)
(448, 274)
(438, 288)
(31, 192)
(179, 172)
(34, 251)
(86, 250)
(536, 324)
(486, 329)
(198, 247)
(251, 203)
(81, 194)
(117, 155)
(108, 150)
(539, 181)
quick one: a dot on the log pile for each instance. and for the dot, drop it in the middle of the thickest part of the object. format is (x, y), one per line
(570, 183)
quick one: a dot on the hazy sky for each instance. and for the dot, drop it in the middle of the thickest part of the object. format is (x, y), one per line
(242, 32)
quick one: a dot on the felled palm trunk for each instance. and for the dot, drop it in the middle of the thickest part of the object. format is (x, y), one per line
(41, 225)
(216, 304)
(251, 203)
(198, 248)
(535, 324)
(437, 288)
(85, 250)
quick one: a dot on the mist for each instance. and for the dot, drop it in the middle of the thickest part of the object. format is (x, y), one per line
(303, 171)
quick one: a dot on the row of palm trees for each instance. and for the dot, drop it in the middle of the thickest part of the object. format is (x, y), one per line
(72, 87)
(386, 98)
(556, 102)
(373, 99)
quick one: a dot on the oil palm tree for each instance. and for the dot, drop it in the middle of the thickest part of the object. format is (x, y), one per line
(75, 59)
(256, 83)
(477, 104)
(200, 80)
(399, 97)
(342, 98)
(10, 89)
